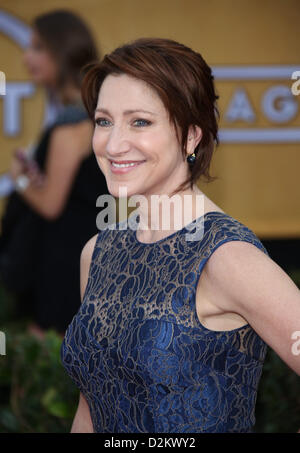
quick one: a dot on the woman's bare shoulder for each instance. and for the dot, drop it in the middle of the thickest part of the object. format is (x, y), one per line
(75, 138)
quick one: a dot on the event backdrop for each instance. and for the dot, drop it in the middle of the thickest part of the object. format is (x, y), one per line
(254, 50)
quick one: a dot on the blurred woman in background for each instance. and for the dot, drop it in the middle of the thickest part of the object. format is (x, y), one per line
(52, 212)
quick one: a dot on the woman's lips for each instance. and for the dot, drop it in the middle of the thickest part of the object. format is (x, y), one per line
(121, 170)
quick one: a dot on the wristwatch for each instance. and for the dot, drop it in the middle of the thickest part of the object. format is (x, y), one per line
(21, 183)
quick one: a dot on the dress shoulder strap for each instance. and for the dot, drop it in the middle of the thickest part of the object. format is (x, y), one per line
(221, 228)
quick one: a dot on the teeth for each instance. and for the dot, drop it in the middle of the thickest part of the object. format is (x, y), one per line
(123, 165)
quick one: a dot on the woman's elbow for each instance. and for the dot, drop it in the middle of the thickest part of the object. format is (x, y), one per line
(51, 212)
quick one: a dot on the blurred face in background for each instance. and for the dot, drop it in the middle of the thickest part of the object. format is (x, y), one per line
(132, 124)
(39, 62)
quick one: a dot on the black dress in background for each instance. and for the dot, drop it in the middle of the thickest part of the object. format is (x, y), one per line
(54, 296)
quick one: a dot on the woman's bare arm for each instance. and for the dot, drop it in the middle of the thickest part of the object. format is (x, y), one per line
(68, 146)
(82, 422)
(85, 263)
(246, 281)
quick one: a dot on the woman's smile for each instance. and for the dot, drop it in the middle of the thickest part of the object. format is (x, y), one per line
(134, 141)
(124, 166)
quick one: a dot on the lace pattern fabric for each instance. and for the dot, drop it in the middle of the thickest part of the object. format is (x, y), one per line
(137, 350)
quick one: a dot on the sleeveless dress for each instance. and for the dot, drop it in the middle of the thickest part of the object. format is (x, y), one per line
(136, 348)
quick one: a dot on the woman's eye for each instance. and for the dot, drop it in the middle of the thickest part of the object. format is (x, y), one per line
(101, 122)
(142, 122)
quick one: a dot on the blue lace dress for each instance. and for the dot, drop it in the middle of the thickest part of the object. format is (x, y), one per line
(136, 349)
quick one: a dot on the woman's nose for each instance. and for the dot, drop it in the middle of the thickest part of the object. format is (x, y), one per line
(118, 141)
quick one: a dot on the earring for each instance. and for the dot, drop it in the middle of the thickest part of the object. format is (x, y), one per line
(191, 158)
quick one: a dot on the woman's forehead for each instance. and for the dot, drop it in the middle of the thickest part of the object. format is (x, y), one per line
(129, 93)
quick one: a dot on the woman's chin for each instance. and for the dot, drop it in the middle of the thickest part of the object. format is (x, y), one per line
(121, 190)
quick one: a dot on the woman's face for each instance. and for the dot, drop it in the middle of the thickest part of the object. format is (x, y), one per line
(40, 63)
(132, 124)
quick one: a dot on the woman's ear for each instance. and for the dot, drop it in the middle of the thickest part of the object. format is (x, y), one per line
(194, 137)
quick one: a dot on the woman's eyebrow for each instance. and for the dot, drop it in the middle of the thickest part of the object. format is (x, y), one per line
(126, 112)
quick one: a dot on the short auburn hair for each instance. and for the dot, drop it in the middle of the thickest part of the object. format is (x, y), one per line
(184, 83)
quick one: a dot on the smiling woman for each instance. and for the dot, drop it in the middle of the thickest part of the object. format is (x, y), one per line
(173, 82)
(172, 333)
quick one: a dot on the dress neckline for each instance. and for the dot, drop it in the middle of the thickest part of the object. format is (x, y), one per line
(207, 214)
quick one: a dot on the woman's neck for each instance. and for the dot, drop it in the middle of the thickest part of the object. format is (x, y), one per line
(188, 206)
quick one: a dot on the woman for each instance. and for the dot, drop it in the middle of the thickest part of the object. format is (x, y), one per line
(172, 333)
(56, 192)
